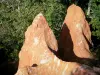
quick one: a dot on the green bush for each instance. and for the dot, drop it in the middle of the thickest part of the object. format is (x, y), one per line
(95, 25)
(17, 15)
(95, 18)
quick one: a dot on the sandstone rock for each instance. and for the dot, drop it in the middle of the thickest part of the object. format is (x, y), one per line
(58, 67)
(35, 51)
(75, 36)
(38, 38)
(54, 67)
(36, 56)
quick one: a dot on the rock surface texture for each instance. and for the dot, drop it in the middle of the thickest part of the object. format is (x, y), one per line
(37, 50)
(54, 67)
(40, 54)
(75, 36)
(37, 40)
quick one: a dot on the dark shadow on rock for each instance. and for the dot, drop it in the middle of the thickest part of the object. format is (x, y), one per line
(53, 51)
(65, 53)
(89, 43)
(65, 49)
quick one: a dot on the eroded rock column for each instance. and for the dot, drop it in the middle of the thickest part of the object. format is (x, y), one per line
(38, 38)
(75, 36)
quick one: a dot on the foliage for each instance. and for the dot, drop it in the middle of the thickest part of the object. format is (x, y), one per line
(95, 18)
(95, 24)
(17, 15)
(55, 13)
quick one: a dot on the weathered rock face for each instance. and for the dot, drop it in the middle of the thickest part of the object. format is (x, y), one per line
(37, 56)
(35, 52)
(54, 67)
(75, 36)
(43, 70)
(37, 40)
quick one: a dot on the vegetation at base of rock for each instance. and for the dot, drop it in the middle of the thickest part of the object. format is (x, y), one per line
(17, 15)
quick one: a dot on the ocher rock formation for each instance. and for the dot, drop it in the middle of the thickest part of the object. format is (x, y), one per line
(35, 51)
(54, 67)
(38, 38)
(75, 36)
(38, 55)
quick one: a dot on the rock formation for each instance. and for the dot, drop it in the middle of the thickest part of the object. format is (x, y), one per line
(38, 48)
(40, 54)
(54, 67)
(37, 40)
(43, 70)
(75, 36)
